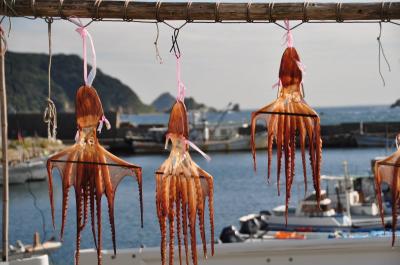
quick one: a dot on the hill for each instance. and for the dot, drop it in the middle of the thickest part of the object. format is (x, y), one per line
(164, 102)
(26, 80)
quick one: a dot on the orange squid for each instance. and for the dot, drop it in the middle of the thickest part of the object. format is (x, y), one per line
(181, 191)
(388, 170)
(290, 119)
(91, 170)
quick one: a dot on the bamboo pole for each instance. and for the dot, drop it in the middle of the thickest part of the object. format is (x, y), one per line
(202, 11)
(4, 147)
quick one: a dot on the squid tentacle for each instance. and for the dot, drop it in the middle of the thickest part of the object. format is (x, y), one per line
(192, 219)
(178, 219)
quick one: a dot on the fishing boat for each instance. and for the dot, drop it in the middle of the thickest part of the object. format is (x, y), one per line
(349, 207)
(224, 138)
(28, 170)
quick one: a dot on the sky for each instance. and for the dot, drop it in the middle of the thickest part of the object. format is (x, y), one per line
(238, 63)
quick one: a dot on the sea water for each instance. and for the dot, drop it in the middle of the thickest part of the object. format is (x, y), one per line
(328, 115)
(238, 191)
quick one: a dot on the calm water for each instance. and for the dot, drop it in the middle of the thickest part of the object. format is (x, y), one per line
(329, 115)
(238, 191)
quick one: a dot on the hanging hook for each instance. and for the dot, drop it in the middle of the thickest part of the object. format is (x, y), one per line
(217, 16)
(97, 4)
(175, 45)
(248, 12)
(158, 56)
(305, 14)
(158, 6)
(33, 7)
(60, 7)
(125, 11)
(381, 51)
(339, 18)
(271, 9)
(188, 13)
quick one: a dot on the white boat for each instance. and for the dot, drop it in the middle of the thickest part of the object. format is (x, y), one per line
(345, 208)
(366, 251)
(29, 170)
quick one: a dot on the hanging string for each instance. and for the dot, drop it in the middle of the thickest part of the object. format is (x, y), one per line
(50, 112)
(88, 78)
(158, 56)
(84, 33)
(181, 86)
(381, 51)
(288, 35)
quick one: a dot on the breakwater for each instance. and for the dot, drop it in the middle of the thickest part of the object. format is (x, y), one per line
(338, 135)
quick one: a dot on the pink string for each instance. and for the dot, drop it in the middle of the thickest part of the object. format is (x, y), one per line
(101, 123)
(288, 35)
(84, 33)
(277, 84)
(77, 136)
(181, 86)
(301, 66)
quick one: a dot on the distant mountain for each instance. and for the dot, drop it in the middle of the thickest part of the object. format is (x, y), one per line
(164, 102)
(27, 82)
(396, 104)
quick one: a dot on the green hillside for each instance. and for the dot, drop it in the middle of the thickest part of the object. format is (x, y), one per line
(26, 79)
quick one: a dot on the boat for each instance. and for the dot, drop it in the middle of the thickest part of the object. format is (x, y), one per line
(34, 254)
(28, 170)
(221, 138)
(348, 204)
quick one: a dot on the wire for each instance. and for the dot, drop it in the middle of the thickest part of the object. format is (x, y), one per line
(158, 56)
(381, 52)
(35, 204)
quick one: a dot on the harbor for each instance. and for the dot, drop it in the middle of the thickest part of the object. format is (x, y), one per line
(209, 133)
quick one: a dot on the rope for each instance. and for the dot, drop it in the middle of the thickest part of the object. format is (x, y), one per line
(50, 112)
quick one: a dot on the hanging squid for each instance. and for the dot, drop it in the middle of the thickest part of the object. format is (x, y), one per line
(91, 170)
(388, 170)
(181, 191)
(289, 118)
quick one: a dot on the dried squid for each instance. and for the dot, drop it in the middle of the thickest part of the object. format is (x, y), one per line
(388, 170)
(91, 170)
(181, 191)
(289, 118)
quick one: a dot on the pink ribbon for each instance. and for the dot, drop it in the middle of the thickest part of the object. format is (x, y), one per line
(84, 33)
(77, 136)
(288, 35)
(277, 84)
(101, 123)
(191, 144)
(181, 86)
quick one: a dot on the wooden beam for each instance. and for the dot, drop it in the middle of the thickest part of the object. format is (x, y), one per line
(4, 147)
(202, 11)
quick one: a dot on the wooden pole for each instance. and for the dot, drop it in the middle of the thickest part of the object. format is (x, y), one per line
(202, 11)
(4, 147)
